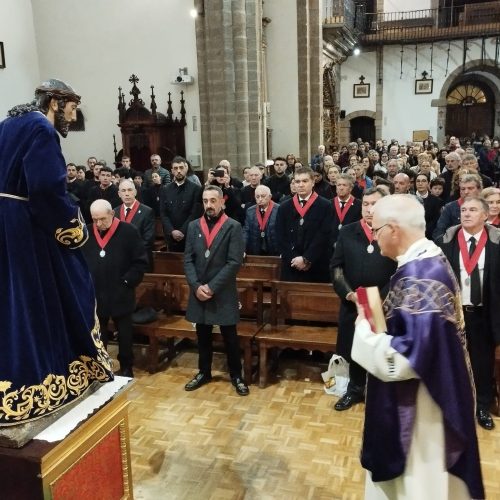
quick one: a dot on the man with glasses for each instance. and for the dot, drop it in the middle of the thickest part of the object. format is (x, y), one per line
(419, 437)
(357, 262)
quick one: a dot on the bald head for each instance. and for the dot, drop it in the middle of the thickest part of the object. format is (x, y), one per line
(102, 214)
(401, 183)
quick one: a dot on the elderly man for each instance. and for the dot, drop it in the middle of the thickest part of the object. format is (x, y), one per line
(346, 208)
(259, 231)
(470, 163)
(473, 249)
(392, 169)
(156, 167)
(117, 260)
(213, 256)
(303, 227)
(318, 158)
(247, 194)
(50, 347)
(180, 203)
(470, 185)
(453, 163)
(357, 262)
(419, 438)
(139, 215)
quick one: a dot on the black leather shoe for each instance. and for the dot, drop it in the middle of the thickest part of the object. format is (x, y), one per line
(126, 372)
(348, 400)
(484, 420)
(199, 380)
(240, 386)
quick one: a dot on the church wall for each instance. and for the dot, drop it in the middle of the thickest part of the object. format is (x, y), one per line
(97, 45)
(406, 5)
(21, 74)
(282, 75)
(403, 111)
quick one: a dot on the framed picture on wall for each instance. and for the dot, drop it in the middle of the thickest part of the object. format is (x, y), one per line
(423, 86)
(2, 56)
(361, 90)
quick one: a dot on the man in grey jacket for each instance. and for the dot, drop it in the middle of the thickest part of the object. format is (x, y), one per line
(212, 258)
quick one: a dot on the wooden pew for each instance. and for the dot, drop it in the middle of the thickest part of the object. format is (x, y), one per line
(255, 267)
(171, 292)
(316, 303)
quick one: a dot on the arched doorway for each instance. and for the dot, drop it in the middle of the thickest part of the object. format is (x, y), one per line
(364, 127)
(470, 108)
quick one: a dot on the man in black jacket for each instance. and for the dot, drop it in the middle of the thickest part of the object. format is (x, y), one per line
(279, 183)
(117, 259)
(180, 203)
(357, 262)
(473, 250)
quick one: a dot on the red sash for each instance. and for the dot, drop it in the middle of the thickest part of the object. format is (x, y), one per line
(460, 202)
(210, 235)
(263, 221)
(102, 242)
(470, 261)
(131, 214)
(367, 230)
(341, 213)
(303, 210)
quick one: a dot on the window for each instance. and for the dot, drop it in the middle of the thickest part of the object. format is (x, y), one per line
(466, 95)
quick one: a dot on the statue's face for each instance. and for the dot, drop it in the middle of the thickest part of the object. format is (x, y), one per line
(64, 116)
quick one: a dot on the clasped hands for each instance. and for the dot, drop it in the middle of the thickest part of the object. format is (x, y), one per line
(203, 293)
(300, 263)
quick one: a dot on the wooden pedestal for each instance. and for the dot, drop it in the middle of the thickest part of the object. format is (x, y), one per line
(93, 461)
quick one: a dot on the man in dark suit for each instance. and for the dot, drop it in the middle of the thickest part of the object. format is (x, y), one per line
(213, 256)
(105, 190)
(279, 184)
(477, 270)
(470, 185)
(357, 262)
(117, 260)
(179, 205)
(346, 208)
(259, 231)
(137, 214)
(303, 229)
(432, 204)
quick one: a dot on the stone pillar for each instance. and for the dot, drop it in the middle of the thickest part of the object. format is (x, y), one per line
(228, 40)
(310, 81)
(379, 98)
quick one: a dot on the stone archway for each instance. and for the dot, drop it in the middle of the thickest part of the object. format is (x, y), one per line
(485, 72)
(345, 124)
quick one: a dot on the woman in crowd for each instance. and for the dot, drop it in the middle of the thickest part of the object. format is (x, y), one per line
(492, 196)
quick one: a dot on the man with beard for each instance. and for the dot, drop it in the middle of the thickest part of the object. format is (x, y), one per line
(179, 205)
(50, 346)
(213, 256)
(75, 187)
(279, 183)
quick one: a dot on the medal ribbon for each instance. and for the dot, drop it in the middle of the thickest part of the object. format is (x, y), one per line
(210, 235)
(131, 214)
(102, 242)
(303, 210)
(367, 230)
(470, 261)
(347, 206)
(262, 222)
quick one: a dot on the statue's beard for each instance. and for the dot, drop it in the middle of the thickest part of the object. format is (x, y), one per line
(60, 123)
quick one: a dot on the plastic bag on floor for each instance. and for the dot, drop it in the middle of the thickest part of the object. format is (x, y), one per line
(336, 377)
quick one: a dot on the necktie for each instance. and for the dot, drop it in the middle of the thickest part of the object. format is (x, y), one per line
(342, 205)
(475, 282)
(127, 211)
(262, 212)
(302, 202)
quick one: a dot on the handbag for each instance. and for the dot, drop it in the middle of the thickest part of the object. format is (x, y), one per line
(336, 377)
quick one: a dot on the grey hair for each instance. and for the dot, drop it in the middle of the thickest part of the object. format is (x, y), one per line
(402, 209)
(263, 188)
(466, 178)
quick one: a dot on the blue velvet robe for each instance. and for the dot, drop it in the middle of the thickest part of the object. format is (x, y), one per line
(423, 313)
(50, 345)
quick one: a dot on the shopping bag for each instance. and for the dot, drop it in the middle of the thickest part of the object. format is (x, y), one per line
(336, 377)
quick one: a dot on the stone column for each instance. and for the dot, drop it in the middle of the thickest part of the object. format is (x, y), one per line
(228, 38)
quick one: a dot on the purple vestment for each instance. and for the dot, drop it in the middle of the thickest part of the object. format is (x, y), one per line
(423, 313)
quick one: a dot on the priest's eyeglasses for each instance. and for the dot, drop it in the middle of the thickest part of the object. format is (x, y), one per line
(377, 229)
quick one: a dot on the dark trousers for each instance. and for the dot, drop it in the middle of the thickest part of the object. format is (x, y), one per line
(205, 349)
(357, 379)
(125, 330)
(482, 357)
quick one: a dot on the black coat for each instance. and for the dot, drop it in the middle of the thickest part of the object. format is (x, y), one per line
(352, 266)
(491, 275)
(279, 186)
(432, 207)
(310, 240)
(352, 215)
(117, 274)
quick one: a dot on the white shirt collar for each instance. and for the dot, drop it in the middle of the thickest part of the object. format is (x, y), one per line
(420, 249)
